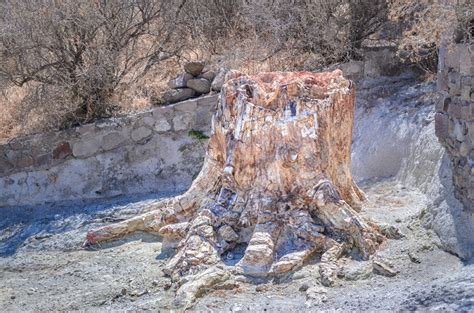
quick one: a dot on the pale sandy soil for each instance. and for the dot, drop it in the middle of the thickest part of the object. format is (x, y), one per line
(43, 268)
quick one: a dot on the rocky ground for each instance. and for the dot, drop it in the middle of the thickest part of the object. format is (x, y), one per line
(43, 267)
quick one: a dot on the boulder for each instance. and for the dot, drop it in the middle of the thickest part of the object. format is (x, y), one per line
(176, 95)
(200, 85)
(209, 75)
(358, 270)
(179, 81)
(194, 68)
(219, 79)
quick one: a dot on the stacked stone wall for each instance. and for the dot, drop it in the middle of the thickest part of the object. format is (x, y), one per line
(455, 116)
(153, 151)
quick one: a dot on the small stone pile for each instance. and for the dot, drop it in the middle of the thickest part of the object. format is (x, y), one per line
(195, 81)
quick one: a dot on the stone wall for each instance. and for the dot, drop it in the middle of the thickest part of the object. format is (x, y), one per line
(152, 151)
(455, 116)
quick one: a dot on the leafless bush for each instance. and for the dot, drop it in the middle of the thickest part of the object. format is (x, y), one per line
(78, 52)
(465, 18)
(332, 30)
(78, 60)
(426, 23)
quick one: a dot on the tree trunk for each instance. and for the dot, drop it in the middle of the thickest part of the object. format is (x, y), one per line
(276, 177)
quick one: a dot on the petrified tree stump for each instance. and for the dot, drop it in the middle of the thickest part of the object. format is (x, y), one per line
(276, 177)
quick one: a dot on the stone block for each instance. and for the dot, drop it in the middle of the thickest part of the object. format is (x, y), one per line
(381, 62)
(442, 81)
(43, 159)
(158, 112)
(209, 75)
(470, 131)
(441, 125)
(466, 92)
(112, 141)
(62, 150)
(452, 58)
(16, 144)
(455, 109)
(24, 161)
(466, 80)
(179, 81)
(182, 122)
(443, 103)
(459, 131)
(454, 83)
(85, 130)
(353, 70)
(464, 149)
(219, 80)
(177, 95)
(85, 148)
(141, 133)
(5, 166)
(186, 106)
(148, 120)
(465, 60)
(194, 67)
(208, 101)
(200, 85)
(162, 125)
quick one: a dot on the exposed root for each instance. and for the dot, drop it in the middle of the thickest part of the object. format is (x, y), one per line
(198, 285)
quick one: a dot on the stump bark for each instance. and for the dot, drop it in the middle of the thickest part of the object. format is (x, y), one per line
(276, 177)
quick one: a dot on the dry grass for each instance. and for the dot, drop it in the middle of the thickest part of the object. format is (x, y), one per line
(136, 93)
(10, 125)
(418, 28)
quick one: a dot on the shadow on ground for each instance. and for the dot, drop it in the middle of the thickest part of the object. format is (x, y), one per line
(24, 225)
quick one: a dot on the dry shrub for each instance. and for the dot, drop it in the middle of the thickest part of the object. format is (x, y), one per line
(9, 99)
(81, 60)
(329, 31)
(425, 24)
(465, 17)
(77, 53)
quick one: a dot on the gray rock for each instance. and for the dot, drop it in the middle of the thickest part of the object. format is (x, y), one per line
(315, 296)
(209, 75)
(219, 79)
(85, 148)
(141, 133)
(179, 81)
(200, 85)
(182, 122)
(383, 268)
(112, 141)
(358, 270)
(228, 233)
(390, 231)
(176, 95)
(194, 68)
(148, 120)
(414, 257)
(24, 161)
(304, 287)
(5, 166)
(189, 106)
(162, 125)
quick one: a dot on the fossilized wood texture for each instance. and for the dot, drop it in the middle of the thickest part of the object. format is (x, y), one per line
(276, 177)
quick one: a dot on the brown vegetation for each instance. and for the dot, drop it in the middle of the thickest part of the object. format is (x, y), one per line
(63, 63)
